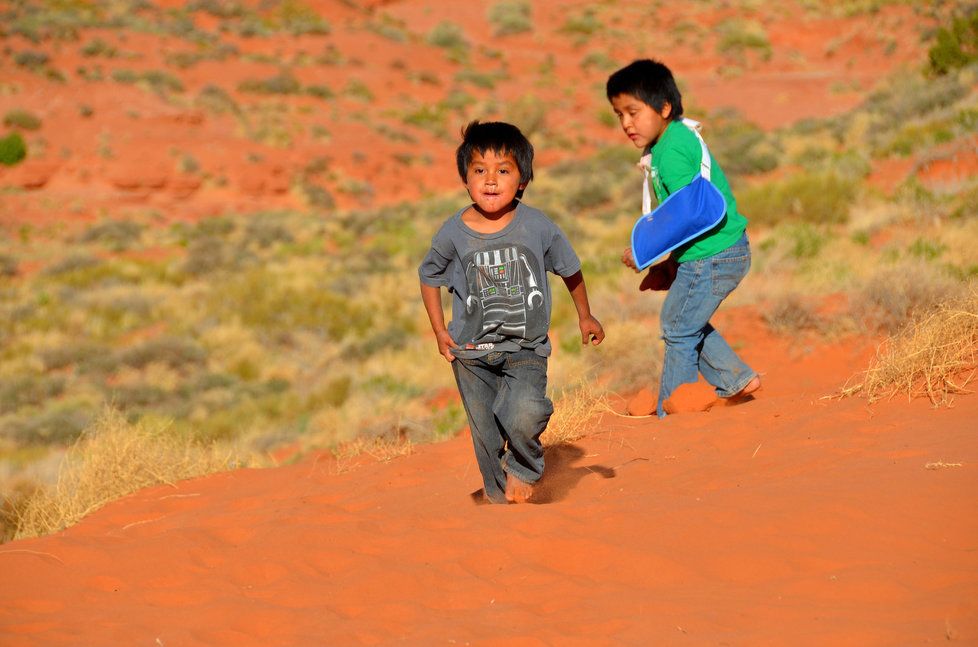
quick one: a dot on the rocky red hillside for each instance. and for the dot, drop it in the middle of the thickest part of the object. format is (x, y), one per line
(182, 110)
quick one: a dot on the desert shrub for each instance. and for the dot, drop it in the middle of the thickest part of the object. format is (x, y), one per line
(740, 36)
(926, 250)
(161, 81)
(574, 411)
(265, 231)
(72, 263)
(894, 295)
(12, 149)
(910, 97)
(22, 119)
(206, 255)
(600, 61)
(447, 35)
(510, 17)
(114, 458)
(388, 27)
(175, 352)
(218, 8)
(529, 113)
(124, 75)
(955, 46)
(281, 83)
(70, 354)
(56, 424)
(297, 18)
(582, 25)
(593, 190)
(317, 196)
(823, 198)
(804, 240)
(216, 100)
(357, 89)
(485, 80)
(934, 355)
(262, 300)
(9, 266)
(117, 234)
(135, 397)
(26, 390)
(319, 91)
(32, 60)
(740, 147)
(791, 314)
(98, 47)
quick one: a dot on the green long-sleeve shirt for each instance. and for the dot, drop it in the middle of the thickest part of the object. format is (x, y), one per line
(676, 161)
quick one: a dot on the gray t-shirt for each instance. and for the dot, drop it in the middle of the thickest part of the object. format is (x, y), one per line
(500, 294)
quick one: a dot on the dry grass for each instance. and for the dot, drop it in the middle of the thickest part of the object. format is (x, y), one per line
(114, 458)
(574, 412)
(380, 448)
(935, 355)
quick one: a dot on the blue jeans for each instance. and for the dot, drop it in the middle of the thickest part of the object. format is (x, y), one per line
(505, 399)
(693, 345)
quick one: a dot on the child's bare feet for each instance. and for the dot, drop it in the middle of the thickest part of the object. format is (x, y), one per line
(753, 385)
(517, 491)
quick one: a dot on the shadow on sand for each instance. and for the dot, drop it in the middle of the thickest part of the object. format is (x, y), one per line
(559, 477)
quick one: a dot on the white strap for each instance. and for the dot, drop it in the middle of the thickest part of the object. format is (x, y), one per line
(705, 163)
(646, 165)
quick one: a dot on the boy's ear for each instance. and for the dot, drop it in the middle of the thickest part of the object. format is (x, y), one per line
(666, 110)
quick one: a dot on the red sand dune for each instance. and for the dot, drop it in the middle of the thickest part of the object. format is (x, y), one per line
(791, 519)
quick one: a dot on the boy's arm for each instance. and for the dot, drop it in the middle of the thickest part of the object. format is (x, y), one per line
(431, 296)
(591, 329)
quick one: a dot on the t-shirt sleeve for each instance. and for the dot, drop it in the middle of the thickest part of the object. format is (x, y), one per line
(434, 269)
(680, 164)
(560, 257)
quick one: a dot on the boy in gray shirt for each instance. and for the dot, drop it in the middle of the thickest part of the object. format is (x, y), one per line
(493, 256)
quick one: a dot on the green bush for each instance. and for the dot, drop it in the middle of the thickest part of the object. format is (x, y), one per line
(281, 83)
(956, 46)
(510, 17)
(808, 197)
(21, 119)
(739, 36)
(31, 60)
(447, 35)
(12, 149)
(175, 352)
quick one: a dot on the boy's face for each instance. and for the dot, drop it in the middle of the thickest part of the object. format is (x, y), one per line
(492, 181)
(642, 123)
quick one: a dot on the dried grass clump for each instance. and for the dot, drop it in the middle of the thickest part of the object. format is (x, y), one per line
(935, 355)
(111, 459)
(574, 412)
(383, 449)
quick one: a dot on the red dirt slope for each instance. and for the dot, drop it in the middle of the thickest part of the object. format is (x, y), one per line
(791, 519)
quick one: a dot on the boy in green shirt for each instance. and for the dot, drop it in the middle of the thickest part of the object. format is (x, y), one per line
(649, 107)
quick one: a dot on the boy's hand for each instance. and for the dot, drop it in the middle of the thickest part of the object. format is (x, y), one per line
(628, 259)
(591, 330)
(661, 276)
(445, 344)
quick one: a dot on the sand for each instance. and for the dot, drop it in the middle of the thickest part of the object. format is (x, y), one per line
(790, 519)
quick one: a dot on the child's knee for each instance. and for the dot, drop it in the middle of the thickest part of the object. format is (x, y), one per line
(527, 417)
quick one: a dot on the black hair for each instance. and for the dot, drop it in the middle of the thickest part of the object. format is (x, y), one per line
(651, 82)
(500, 138)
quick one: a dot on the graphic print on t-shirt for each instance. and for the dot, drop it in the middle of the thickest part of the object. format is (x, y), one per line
(504, 297)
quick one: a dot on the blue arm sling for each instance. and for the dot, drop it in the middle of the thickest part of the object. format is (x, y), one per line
(682, 216)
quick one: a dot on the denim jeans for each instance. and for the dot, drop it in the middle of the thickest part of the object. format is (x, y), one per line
(693, 345)
(505, 399)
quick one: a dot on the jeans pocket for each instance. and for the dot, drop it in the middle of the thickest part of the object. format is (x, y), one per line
(727, 272)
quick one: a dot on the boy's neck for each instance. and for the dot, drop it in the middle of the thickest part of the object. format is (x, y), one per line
(489, 223)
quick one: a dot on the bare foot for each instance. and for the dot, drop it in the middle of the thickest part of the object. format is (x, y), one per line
(753, 385)
(517, 491)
